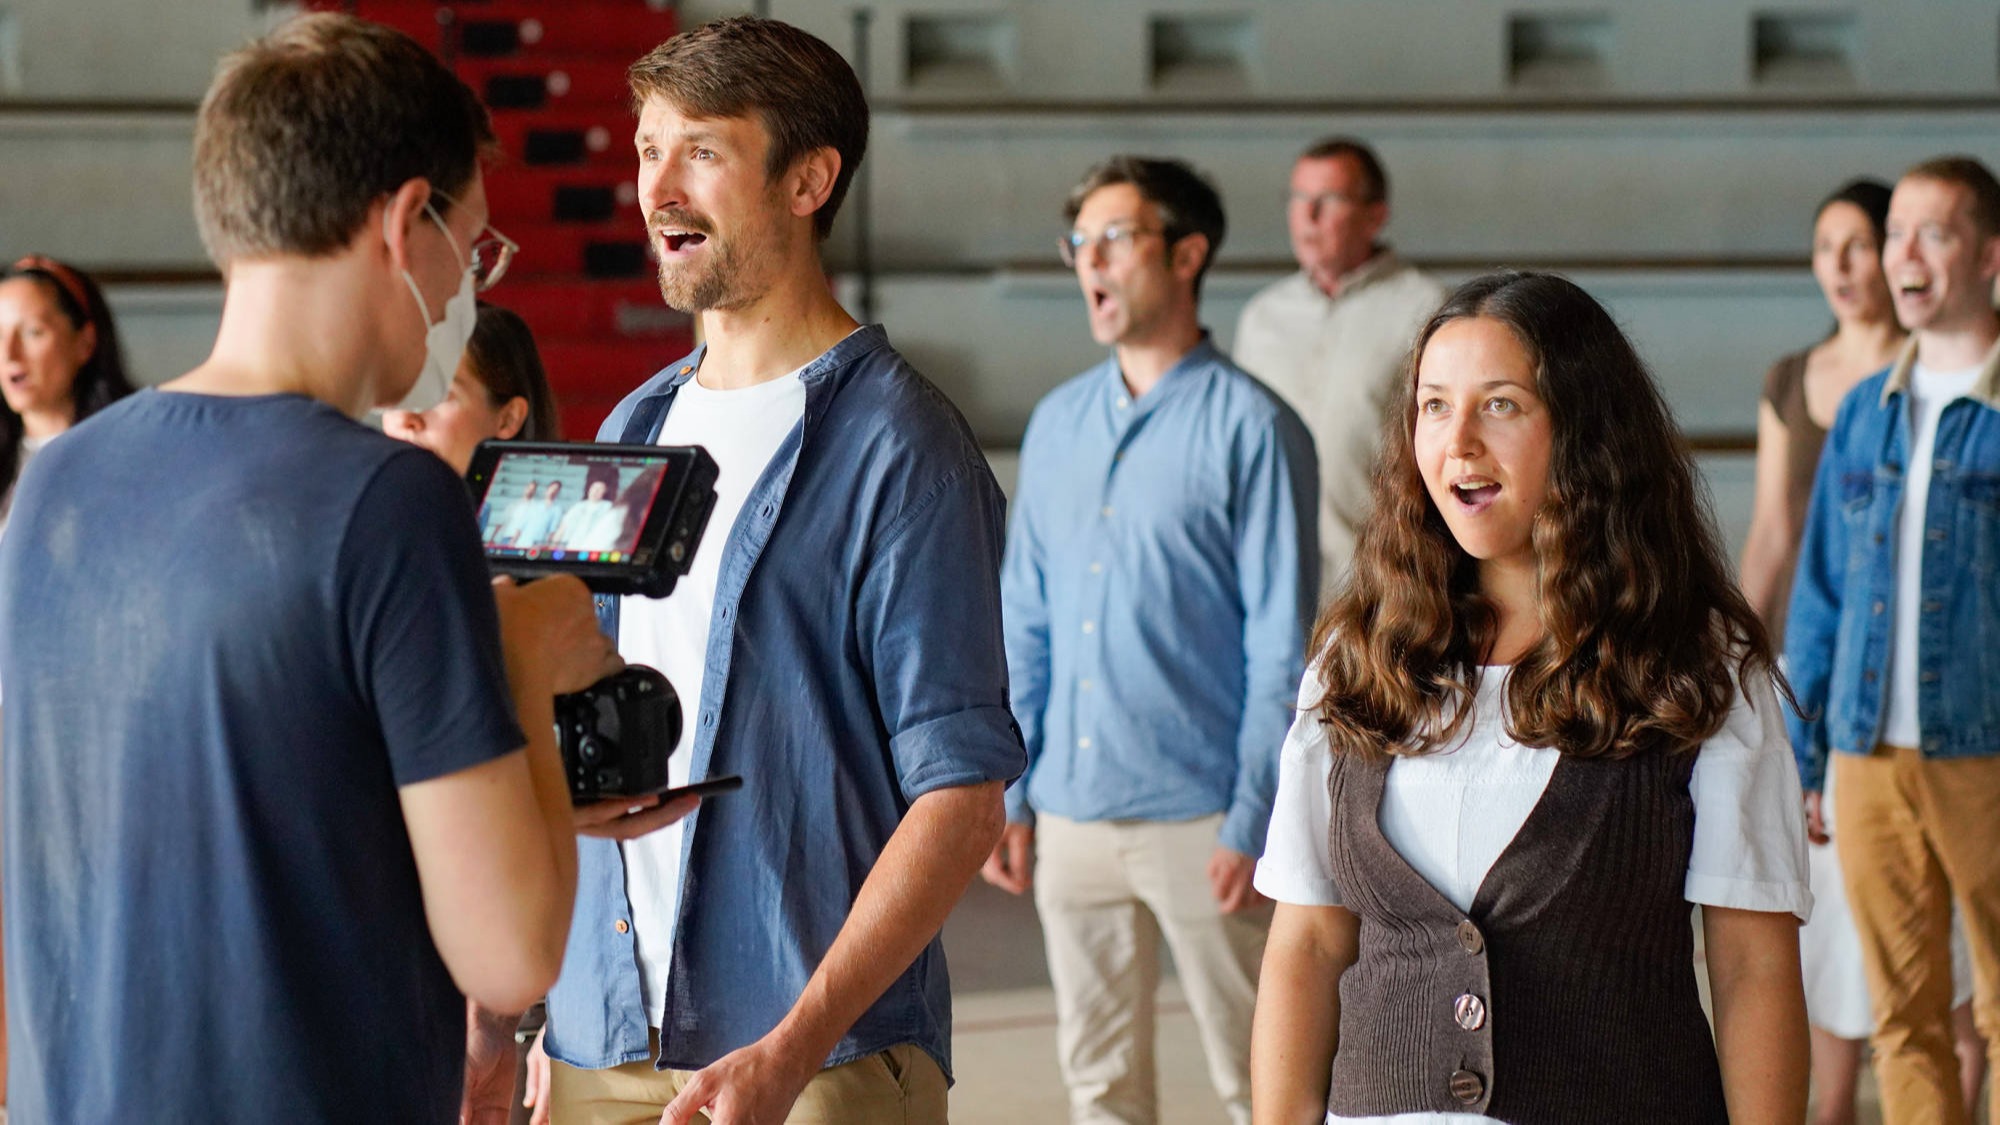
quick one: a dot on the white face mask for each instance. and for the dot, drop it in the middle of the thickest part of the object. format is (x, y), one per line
(444, 342)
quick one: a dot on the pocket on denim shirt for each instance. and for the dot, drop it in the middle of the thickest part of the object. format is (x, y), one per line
(1979, 526)
(1856, 494)
(1855, 491)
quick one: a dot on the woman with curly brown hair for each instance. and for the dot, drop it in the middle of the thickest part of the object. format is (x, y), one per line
(1539, 723)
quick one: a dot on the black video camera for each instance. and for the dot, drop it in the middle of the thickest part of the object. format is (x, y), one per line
(626, 519)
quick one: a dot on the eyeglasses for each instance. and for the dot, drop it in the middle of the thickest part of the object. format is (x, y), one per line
(1115, 241)
(490, 256)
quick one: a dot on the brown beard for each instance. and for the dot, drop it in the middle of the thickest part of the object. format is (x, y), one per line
(708, 286)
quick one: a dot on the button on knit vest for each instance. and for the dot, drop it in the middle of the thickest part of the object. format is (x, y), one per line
(1566, 994)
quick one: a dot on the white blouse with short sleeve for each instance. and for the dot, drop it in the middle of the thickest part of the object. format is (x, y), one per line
(1451, 814)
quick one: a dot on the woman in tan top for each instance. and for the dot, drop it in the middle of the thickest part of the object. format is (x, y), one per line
(1804, 389)
(1802, 392)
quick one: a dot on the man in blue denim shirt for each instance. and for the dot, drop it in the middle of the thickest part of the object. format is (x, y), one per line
(1160, 579)
(1893, 639)
(775, 956)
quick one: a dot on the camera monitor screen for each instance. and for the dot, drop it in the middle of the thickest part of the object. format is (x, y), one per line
(624, 518)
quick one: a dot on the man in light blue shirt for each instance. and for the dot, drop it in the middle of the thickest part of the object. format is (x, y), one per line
(1159, 582)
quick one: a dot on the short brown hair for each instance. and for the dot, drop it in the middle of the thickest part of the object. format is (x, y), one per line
(1372, 173)
(803, 92)
(1187, 202)
(1966, 172)
(304, 129)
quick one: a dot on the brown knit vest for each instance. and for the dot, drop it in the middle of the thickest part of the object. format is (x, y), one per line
(1568, 992)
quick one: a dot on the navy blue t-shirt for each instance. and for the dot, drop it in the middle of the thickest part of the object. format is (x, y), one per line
(230, 629)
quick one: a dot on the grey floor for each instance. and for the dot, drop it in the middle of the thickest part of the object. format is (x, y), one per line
(1004, 1018)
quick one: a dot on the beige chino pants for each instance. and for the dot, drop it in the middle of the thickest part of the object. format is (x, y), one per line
(899, 1086)
(1108, 891)
(1916, 835)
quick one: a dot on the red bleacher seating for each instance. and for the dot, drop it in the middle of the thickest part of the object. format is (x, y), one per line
(553, 74)
(423, 19)
(613, 30)
(596, 310)
(563, 82)
(601, 137)
(520, 194)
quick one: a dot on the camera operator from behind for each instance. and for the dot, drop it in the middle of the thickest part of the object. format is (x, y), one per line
(269, 803)
(776, 956)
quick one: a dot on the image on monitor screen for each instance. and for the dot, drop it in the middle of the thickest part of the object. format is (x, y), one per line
(578, 507)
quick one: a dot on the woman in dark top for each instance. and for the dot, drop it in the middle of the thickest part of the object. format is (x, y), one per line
(1802, 390)
(1540, 721)
(59, 359)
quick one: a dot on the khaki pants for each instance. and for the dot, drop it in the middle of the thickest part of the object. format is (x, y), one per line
(1107, 892)
(899, 1086)
(1916, 835)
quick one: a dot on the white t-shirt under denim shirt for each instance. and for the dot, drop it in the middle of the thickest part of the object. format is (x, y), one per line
(1450, 815)
(1930, 392)
(741, 429)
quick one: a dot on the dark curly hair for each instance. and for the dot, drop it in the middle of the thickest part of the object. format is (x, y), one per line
(1644, 632)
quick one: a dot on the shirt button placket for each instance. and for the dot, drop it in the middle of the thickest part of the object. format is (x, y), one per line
(1094, 597)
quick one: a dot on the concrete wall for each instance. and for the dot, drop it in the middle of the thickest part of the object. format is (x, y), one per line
(1053, 51)
(120, 50)
(104, 189)
(996, 343)
(1667, 155)
(980, 189)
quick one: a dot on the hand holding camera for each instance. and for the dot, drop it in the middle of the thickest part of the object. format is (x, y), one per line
(641, 513)
(552, 634)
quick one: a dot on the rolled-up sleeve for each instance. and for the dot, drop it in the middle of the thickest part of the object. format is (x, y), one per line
(929, 626)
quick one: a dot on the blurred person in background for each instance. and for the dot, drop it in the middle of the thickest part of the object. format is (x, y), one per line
(499, 391)
(59, 363)
(1331, 339)
(1892, 635)
(1801, 393)
(1802, 390)
(59, 360)
(1163, 476)
(588, 519)
(518, 514)
(538, 526)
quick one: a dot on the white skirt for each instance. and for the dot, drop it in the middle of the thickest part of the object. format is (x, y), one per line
(1836, 986)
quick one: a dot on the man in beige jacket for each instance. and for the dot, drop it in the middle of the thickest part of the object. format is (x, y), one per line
(1332, 338)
